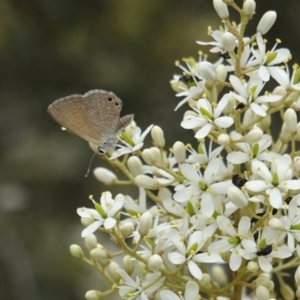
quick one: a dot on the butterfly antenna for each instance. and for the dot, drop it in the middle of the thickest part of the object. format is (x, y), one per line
(88, 170)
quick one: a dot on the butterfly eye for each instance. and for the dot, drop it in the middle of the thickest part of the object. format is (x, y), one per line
(109, 98)
(117, 103)
(101, 151)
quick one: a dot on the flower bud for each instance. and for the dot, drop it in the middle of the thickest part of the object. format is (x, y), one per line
(275, 223)
(266, 22)
(105, 176)
(265, 123)
(297, 276)
(101, 255)
(93, 295)
(179, 152)
(113, 267)
(223, 139)
(147, 182)
(127, 229)
(135, 166)
(249, 7)
(252, 266)
(76, 251)
(158, 137)
(279, 90)
(221, 72)
(219, 274)
(128, 264)
(155, 152)
(221, 9)
(237, 197)
(296, 163)
(254, 135)
(228, 41)
(86, 221)
(154, 262)
(284, 135)
(90, 242)
(264, 280)
(145, 223)
(205, 280)
(290, 119)
(147, 156)
(262, 293)
(287, 291)
(207, 71)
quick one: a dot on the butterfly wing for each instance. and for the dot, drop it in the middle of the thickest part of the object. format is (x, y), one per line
(69, 113)
(103, 113)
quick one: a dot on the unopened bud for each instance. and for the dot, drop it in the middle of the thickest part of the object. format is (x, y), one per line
(290, 119)
(147, 156)
(228, 41)
(127, 229)
(145, 223)
(296, 163)
(275, 223)
(105, 176)
(221, 72)
(76, 251)
(113, 267)
(93, 295)
(297, 276)
(254, 135)
(179, 152)
(154, 262)
(249, 7)
(158, 137)
(86, 221)
(262, 293)
(90, 242)
(205, 280)
(287, 291)
(266, 22)
(207, 71)
(252, 266)
(135, 166)
(219, 274)
(128, 264)
(101, 255)
(147, 182)
(223, 139)
(221, 9)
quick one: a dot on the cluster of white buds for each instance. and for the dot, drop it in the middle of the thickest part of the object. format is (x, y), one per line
(221, 219)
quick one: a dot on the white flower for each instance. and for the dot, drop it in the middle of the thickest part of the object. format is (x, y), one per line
(191, 293)
(249, 152)
(274, 182)
(132, 139)
(233, 242)
(188, 253)
(103, 214)
(220, 38)
(265, 249)
(268, 60)
(136, 290)
(248, 93)
(202, 187)
(291, 222)
(207, 118)
(203, 156)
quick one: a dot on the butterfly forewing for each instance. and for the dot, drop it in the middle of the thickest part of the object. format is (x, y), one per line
(103, 112)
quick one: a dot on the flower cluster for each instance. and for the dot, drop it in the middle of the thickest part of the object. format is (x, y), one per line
(231, 203)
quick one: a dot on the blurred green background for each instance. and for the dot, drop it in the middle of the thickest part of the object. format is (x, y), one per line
(53, 48)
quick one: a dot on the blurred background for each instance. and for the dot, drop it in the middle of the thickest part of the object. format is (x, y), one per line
(50, 49)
